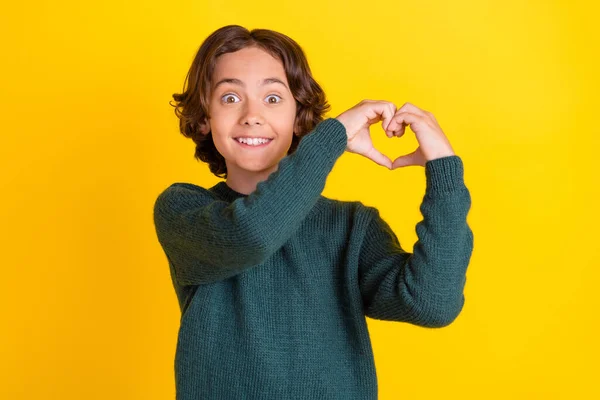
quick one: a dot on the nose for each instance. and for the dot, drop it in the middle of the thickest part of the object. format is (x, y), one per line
(252, 113)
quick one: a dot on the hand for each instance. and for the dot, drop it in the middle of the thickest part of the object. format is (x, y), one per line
(358, 120)
(433, 143)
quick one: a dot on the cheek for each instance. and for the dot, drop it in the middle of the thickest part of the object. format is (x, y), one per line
(283, 121)
(221, 118)
(219, 138)
(219, 127)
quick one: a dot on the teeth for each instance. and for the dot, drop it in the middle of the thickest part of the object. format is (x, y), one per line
(253, 141)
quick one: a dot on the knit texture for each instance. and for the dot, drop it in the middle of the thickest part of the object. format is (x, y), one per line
(274, 287)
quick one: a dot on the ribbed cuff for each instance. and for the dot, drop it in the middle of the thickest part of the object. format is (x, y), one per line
(444, 174)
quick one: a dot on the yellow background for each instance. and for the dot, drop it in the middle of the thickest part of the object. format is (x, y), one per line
(89, 140)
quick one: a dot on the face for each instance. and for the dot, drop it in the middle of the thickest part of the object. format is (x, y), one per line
(250, 98)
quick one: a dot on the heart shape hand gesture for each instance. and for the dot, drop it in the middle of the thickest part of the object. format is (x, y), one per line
(433, 143)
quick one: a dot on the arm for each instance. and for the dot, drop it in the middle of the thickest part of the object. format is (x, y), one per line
(209, 240)
(425, 287)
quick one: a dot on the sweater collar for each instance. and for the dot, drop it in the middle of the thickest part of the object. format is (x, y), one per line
(228, 194)
(225, 192)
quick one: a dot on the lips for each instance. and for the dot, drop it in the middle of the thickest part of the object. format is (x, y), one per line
(260, 145)
(252, 137)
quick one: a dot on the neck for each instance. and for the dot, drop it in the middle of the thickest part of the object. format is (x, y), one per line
(245, 182)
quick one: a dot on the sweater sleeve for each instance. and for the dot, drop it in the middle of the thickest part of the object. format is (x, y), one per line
(208, 240)
(424, 288)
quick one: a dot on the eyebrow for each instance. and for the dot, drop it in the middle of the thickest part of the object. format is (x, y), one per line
(238, 82)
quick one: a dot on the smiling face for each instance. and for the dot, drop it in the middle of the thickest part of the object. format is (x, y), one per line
(250, 98)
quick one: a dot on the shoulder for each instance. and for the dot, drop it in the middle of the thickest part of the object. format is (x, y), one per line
(182, 194)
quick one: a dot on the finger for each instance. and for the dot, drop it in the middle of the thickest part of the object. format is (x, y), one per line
(386, 121)
(386, 126)
(387, 115)
(398, 131)
(401, 129)
(381, 159)
(380, 110)
(409, 107)
(406, 160)
(403, 118)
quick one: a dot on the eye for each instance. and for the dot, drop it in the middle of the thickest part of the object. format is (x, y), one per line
(228, 95)
(271, 95)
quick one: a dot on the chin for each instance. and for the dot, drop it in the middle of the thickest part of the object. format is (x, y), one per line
(258, 168)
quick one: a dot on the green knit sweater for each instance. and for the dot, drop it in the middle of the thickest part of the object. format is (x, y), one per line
(274, 286)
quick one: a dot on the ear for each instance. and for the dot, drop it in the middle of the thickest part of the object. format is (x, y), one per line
(205, 127)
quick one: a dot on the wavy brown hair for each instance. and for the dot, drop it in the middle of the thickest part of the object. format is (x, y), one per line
(191, 105)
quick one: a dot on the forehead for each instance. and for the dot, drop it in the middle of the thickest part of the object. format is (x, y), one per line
(250, 65)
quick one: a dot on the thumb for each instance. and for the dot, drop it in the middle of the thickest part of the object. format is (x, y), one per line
(381, 159)
(406, 160)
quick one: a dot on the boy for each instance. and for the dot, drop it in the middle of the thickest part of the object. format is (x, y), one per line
(274, 280)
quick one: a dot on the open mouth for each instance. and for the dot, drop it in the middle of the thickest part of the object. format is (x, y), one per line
(253, 143)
